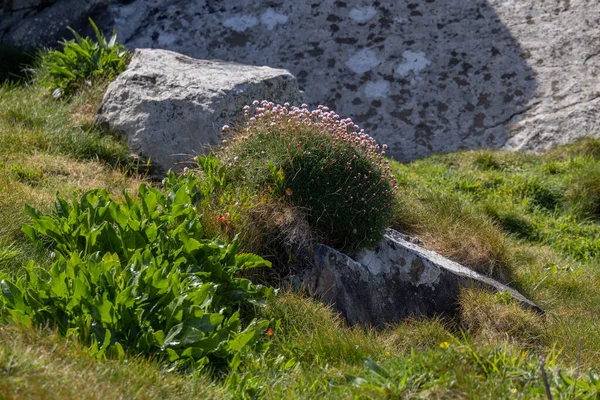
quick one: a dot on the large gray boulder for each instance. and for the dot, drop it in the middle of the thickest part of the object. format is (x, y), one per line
(396, 280)
(172, 107)
(422, 76)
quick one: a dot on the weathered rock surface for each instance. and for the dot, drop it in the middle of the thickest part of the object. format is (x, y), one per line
(422, 76)
(396, 280)
(172, 107)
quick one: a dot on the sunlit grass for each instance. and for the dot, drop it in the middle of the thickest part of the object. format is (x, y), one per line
(519, 217)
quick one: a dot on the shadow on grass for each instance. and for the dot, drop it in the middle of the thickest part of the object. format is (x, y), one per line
(14, 62)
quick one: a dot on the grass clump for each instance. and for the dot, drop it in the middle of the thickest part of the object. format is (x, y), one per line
(140, 277)
(583, 194)
(497, 316)
(40, 364)
(319, 163)
(453, 227)
(81, 62)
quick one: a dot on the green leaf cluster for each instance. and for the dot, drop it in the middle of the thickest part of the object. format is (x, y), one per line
(139, 277)
(81, 62)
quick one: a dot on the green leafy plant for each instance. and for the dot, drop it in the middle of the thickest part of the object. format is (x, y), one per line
(81, 62)
(139, 277)
(319, 163)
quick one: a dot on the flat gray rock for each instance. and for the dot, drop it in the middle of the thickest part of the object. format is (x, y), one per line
(422, 76)
(396, 280)
(172, 107)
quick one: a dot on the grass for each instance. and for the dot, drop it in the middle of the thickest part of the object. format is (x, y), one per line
(527, 219)
(37, 364)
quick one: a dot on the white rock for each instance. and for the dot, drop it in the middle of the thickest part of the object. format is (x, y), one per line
(240, 23)
(363, 14)
(271, 19)
(363, 61)
(172, 107)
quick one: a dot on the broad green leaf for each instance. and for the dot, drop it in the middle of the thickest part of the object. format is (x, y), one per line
(208, 322)
(20, 317)
(377, 369)
(12, 295)
(249, 261)
(116, 351)
(172, 355)
(103, 310)
(242, 339)
(159, 336)
(62, 208)
(172, 338)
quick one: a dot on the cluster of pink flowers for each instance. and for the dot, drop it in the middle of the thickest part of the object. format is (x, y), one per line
(325, 120)
(286, 118)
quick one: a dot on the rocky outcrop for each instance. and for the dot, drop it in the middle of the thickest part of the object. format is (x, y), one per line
(422, 76)
(172, 107)
(396, 280)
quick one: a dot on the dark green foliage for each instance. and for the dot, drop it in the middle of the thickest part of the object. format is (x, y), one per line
(140, 277)
(81, 62)
(345, 194)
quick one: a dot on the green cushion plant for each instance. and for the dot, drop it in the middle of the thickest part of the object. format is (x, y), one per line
(322, 164)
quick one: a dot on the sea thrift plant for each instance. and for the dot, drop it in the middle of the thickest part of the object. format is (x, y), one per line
(320, 162)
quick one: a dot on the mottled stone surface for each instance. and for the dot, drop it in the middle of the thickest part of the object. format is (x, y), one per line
(423, 76)
(396, 280)
(171, 107)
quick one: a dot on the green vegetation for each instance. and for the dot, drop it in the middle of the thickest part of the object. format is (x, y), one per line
(81, 62)
(322, 165)
(139, 277)
(548, 200)
(529, 219)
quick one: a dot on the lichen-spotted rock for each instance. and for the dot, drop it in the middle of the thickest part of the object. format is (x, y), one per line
(396, 280)
(422, 76)
(171, 107)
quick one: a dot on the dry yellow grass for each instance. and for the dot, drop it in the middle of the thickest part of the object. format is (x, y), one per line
(37, 364)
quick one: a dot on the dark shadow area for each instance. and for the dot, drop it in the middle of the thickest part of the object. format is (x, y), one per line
(14, 62)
